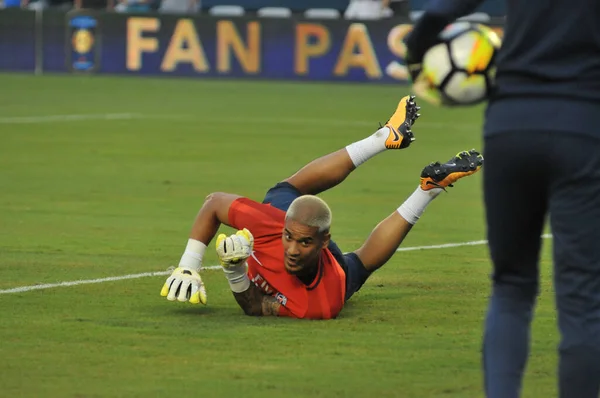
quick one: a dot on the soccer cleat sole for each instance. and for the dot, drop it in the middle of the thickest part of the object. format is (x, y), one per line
(443, 175)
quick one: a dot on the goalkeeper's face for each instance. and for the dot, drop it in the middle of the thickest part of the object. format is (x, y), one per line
(302, 246)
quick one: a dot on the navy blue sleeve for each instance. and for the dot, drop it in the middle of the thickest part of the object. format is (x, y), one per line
(451, 8)
(437, 14)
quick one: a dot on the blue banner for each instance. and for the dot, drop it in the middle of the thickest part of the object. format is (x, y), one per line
(17, 40)
(201, 46)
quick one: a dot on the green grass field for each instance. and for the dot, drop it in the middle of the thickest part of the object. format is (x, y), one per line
(113, 189)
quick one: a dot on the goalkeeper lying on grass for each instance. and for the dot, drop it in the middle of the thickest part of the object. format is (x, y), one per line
(282, 260)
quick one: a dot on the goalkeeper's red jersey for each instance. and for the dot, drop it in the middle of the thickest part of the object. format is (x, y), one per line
(323, 299)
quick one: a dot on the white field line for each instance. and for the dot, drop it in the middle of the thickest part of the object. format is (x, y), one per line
(163, 273)
(248, 120)
(309, 121)
(68, 118)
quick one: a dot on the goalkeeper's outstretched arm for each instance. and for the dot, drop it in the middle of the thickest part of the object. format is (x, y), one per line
(213, 213)
(185, 283)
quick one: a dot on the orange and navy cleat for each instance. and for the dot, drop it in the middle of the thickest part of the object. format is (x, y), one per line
(400, 135)
(437, 175)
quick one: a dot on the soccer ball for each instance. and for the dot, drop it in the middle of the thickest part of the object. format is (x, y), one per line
(460, 69)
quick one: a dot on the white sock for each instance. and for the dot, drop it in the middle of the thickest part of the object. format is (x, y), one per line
(363, 150)
(237, 277)
(193, 254)
(413, 207)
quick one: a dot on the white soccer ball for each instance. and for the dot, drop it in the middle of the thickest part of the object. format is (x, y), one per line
(460, 69)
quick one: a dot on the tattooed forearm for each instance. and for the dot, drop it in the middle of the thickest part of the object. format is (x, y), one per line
(255, 303)
(270, 306)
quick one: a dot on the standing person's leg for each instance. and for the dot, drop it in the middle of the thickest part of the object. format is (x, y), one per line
(575, 221)
(515, 189)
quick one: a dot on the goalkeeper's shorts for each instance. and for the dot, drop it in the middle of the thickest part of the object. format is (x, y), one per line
(281, 196)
